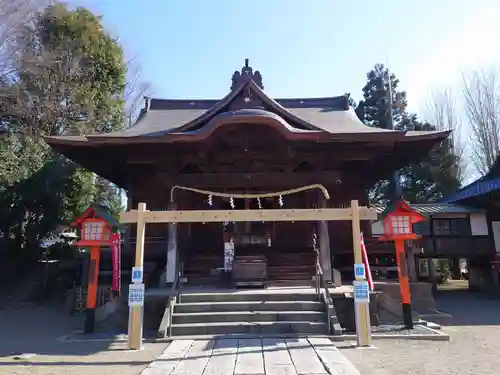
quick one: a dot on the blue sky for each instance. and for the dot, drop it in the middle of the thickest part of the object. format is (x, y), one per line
(190, 48)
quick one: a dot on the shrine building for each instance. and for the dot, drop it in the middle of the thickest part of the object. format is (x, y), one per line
(247, 143)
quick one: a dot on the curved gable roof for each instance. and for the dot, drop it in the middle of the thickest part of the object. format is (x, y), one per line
(251, 88)
(332, 117)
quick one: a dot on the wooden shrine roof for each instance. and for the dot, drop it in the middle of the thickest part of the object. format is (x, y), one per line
(191, 122)
(187, 120)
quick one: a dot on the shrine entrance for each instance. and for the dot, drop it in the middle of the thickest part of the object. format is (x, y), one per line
(263, 253)
(250, 246)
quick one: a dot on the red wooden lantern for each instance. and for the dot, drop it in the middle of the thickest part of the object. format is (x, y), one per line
(96, 231)
(398, 222)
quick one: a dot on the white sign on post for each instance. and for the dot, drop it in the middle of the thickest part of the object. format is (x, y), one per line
(136, 295)
(228, 255)
(137, 275)
(361, 291)
(359, 271)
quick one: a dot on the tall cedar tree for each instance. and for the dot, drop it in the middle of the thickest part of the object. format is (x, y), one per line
(432, 178)
(70, 80)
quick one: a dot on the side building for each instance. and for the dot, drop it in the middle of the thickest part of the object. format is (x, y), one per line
(484, 193)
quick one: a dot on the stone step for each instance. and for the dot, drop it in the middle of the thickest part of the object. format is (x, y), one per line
(291, 276)
(251, 296)
(290, 258)
(298, 265)
(281, 327)
(280, 282)
(249, 316)
(247, 306)
(291, 271)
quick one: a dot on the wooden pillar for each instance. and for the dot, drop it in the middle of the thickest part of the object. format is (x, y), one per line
(171, 263)
(455, 269)
(93, 281)
(356, 233)
(324, 245)
(127, 248)
(432, 273)
(136, 312)
(361, 309)
(410, 262)
(247, 223)
(404, 284)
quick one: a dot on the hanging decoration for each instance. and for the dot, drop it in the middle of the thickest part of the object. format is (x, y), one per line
(250, 196)
(259, 203)
(280, 201)
(231, 202)
(210, 200)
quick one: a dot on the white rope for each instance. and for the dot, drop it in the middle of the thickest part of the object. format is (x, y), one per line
(250, 196)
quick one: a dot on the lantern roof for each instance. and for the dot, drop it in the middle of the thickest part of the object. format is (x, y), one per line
(99, 212)
(402, 207)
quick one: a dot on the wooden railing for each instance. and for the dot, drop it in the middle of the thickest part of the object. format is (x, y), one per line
(322, 287)
(165, 329)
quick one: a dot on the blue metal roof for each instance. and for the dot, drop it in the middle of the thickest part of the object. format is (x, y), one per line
(479, 187)
(432, 208)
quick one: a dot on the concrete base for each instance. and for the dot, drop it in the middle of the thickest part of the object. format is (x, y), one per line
(344, 308)
(422, 298)
(440, 336)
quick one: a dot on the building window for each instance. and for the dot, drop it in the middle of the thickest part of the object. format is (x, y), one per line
(422, 228)
(441, 227)
(451, 227)
(460, 227)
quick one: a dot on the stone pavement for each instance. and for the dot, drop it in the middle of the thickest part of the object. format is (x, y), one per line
(267, 356)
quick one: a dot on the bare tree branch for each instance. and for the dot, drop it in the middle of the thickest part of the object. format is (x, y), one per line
(135, 90)
(441, 111)
(50, 98)
(53, 95)
(13, 15)
(481, 92)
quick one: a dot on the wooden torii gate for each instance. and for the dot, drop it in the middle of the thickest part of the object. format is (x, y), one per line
(142, 216)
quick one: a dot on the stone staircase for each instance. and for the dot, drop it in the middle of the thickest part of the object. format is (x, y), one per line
(291, 268)
(249, 312)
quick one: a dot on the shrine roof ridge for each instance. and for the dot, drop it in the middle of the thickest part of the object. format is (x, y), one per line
(333, 102)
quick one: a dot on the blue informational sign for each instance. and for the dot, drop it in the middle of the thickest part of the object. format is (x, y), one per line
(361, 292)
(359, 271)
(136, 295)
(136, 275)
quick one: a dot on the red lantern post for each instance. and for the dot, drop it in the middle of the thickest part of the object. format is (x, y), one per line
(95, 232)
(398, 227)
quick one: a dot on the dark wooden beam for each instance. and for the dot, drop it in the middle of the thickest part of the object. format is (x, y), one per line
(332, 158)
(258, 180)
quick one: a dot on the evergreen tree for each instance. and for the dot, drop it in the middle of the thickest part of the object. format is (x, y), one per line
(437, 174)
(70, 79)
(373, 109)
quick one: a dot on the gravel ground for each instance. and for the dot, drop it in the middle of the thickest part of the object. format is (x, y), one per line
(474, 347)
(475, 333)
(36, 330)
